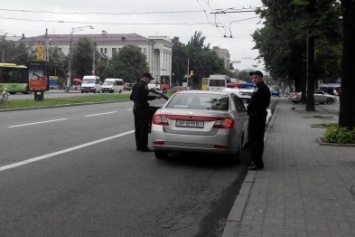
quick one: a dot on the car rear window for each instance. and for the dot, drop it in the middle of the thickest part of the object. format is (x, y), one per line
(199, 101)
(217, 82)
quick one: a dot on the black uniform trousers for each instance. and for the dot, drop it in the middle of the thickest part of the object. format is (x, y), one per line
(142, 122)
(256, 132)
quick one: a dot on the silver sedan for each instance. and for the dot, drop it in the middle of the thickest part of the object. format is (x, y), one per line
(200, 121)
(319, 97)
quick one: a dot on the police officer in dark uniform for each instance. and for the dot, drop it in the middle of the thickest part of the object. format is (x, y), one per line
(142, 112)
(257, 112)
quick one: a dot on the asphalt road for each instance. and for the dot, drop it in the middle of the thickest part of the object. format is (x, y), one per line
(74, 171)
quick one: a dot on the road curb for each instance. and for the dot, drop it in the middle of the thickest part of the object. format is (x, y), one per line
(235, 216)
(233, 222)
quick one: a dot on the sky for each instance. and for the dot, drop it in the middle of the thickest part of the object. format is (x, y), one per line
(227, 24)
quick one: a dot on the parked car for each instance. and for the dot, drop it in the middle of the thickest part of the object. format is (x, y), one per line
(200, 121)
(275, 92)
(127, 87)
(243, 93)
(154, 86)
(319, 97)
(91, 84)
(112, 85)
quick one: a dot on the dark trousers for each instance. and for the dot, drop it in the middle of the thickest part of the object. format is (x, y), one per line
(141, 124)
(142, 121)
(256, 131)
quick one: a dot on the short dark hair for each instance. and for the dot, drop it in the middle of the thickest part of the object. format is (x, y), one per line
(259, 73)
(147, 74)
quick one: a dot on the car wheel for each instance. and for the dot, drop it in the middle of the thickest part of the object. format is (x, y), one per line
(161, 155)
(235, 158)
(296, 102)
(330, 101)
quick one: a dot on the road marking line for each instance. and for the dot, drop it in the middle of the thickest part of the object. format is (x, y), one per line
(28, 124)
(34, 159)
(93, 115)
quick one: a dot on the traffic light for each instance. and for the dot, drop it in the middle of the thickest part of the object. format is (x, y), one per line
(40, 52)
(191, 73)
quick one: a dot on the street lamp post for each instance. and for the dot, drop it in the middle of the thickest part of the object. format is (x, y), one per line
(70, 53)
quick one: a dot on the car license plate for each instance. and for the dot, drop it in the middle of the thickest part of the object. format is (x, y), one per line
(189, 123)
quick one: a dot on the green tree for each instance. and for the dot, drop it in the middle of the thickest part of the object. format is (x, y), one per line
(133, 61)
(82, 58)
(115, 68)
(179, 61)
(56, 63)
(10, 52)
(202, 60)
(292, 39)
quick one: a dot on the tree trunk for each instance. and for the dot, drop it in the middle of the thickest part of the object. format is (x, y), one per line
(347, 95)
(311, 74)
(311, 39)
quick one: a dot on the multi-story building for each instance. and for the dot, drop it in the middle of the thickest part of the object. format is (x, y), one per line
(223, 54)
(158, 49)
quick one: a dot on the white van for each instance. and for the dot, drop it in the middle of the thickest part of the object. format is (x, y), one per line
(91, 84)
(113, 85)
(218, 82)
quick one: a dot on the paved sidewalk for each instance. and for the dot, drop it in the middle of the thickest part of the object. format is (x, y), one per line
(306, 189)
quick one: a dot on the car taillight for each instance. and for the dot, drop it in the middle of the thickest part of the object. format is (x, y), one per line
(160, 119)
(224, 123)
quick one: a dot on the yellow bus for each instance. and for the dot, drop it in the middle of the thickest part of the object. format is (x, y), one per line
(204, 84)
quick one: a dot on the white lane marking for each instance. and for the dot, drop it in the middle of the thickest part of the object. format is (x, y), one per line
(34, 159)
(28, 124)
(93, 115)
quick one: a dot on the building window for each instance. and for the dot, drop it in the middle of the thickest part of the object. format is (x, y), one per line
(114, 51)
(105, 51)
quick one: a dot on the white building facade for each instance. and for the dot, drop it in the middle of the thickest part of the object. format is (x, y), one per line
(158, 49)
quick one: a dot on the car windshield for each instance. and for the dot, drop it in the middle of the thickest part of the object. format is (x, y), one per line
(199, 101)
(88, 81)
(108, 83)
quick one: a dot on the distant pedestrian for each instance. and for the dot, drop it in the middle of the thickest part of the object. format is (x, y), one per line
(64, 85)
(142, 112)
(257, 111)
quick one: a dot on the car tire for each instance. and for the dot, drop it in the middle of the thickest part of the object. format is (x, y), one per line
(295, 102)
(161, 155)
(330, 101)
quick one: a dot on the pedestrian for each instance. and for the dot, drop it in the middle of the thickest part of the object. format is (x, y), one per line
(142, 112)
(257, 112)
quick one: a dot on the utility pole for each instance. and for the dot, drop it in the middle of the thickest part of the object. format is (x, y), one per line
(93, 59)
(188, 72)
(46, 45)
(3, 47)
(70, 54)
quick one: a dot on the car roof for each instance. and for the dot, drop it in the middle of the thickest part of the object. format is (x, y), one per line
(204, 92)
